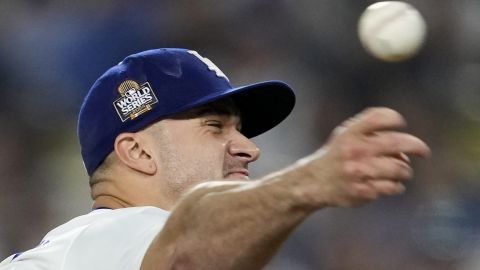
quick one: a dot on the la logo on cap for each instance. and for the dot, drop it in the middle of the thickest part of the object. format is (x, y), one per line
(211, 66)
(135, 99)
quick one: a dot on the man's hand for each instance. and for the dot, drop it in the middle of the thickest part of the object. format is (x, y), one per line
(364, 159)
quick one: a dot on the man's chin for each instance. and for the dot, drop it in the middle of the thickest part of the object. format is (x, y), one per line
(237, 176)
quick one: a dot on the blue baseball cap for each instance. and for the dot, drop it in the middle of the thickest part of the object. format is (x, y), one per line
(151, 85)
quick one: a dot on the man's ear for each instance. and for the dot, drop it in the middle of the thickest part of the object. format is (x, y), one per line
(132, 151)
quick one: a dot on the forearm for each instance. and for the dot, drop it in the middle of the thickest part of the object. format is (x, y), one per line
(226, 225)
(241, 225)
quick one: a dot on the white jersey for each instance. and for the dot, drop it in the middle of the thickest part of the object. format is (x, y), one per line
(103, 239)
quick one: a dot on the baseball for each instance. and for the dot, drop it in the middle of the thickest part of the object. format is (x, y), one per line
(391, 31)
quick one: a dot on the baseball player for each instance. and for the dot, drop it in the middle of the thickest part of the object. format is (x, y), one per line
(165, 140)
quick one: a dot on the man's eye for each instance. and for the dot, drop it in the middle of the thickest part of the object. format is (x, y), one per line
(214, 123)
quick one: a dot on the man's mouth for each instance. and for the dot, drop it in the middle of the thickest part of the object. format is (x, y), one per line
(242, 174)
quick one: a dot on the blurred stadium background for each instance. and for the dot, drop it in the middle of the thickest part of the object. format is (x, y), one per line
(51, 51)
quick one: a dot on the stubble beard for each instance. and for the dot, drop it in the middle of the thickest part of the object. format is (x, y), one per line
(181, 173)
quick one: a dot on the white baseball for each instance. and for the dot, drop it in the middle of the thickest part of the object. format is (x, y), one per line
(392, 30)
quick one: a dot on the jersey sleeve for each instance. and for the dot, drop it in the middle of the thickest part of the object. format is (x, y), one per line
(115, 243)
(104, 239)
(23, 265)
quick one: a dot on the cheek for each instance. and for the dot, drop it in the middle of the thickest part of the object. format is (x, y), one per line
(210, 160)
(203, 160)
(210, 155)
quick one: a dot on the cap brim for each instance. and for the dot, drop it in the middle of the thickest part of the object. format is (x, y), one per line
(263, 105)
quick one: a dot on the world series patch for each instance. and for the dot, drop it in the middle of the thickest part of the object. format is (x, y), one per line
(135, 99)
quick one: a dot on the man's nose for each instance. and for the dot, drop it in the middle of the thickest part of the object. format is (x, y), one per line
(242, 147)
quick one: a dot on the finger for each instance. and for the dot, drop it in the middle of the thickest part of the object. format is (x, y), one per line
(376, 119)
(379, 168)
(387, 187)
(393, 143)
(403, 157)
(364, 192)
(371, 190)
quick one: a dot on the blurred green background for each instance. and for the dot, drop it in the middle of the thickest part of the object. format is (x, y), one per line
(52, 51)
